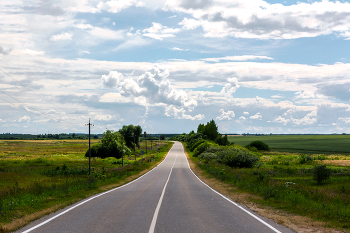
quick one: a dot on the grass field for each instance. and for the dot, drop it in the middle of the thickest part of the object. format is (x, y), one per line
(36, 175)
(314, 144)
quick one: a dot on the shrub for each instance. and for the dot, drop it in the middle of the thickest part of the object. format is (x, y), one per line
(201, 148)
(305, 159)
(240, 159)
(321, 173)
(207, 156)
(196, 144)
(258, 145)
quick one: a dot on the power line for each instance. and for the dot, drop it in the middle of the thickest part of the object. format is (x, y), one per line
(19, 101)
(32, 91)
(18, 106)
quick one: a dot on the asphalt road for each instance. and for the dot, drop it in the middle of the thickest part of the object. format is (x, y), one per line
(170, 198)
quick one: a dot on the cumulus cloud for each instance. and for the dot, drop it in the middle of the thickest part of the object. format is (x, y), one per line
(180, 113)
(230, 87)
(152, 87)
(178, 49)
(259, 19)
(245, 113)
(32, 52)
(305, 94)
(225, 115)
(115, 6)
(257, 116)
(24, 119)
(159, 32)
(281, 120)
(345, 119)
(103, 117)
(309, 119)
(189, 24)
(63, 36)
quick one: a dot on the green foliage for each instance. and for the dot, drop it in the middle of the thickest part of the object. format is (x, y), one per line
(239, 158)
(201, 148)
(110, 146)
(210, 130)
(321, 173)
(131, 133)
(303, 159)
(192, 146)
(260, 145)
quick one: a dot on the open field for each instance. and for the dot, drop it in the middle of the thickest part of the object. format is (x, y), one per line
(285, 181)
(36, 175)
(314, 144)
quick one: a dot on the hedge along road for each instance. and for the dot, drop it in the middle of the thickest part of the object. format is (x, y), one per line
(169, 198)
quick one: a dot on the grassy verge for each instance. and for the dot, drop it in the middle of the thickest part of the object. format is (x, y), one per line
(284, 183)
(314, 144)
(35, 185)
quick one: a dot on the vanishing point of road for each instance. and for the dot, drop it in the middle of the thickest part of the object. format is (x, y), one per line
(169, 198)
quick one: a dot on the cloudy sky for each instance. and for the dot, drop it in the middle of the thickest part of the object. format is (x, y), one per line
(253, 66)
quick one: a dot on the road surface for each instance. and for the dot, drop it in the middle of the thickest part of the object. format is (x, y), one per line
(170, 198)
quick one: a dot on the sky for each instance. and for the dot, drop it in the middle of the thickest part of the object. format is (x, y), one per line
(254, 66)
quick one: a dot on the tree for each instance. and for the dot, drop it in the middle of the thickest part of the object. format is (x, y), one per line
(162, 137)
(110, 146)
(210, 130)
(130, 133)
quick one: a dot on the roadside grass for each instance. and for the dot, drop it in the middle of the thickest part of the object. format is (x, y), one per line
(34, 181)
(283, 182)
(314, 144)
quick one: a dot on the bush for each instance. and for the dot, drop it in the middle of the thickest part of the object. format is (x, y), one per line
(206, 156)
(305, 159)
(241, 159)
(258, 145)
(195, 145)
(321, 173)
(201, 148)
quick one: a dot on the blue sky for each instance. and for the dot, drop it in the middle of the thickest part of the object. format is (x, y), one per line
(253, 66)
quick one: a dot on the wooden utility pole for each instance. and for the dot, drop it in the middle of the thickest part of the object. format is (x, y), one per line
(89, 147)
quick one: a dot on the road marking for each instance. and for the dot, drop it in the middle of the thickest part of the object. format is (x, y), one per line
(155, 216)
(50, 219)
(226, 198)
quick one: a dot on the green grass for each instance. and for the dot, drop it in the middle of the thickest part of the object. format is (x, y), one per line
(283, 182)
(315, 144)
(36, 175)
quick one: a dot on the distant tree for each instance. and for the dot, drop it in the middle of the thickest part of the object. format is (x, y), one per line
(129, 132)
(162, 137)
(73, 135)
(95, 136)
(210, 130)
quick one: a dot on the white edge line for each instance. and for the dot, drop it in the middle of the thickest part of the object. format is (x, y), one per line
(155, 216)
(226, 198)
(50, 219)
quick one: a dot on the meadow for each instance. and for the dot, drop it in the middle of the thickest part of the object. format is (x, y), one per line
(284, 179)
(315, 144)
(40, 174)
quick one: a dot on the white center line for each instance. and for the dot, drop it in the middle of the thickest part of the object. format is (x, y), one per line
(155, 216)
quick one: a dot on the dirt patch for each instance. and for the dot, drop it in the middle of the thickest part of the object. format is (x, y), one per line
(20, 222)
(343, 163)
(295, 222)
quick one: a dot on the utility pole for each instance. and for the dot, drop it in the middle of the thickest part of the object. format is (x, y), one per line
(89, 147)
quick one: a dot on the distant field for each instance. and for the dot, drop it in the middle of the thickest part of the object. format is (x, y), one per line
(314, 144)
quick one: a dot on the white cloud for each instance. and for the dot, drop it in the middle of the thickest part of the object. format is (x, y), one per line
(63, 36)
(152, 87)
(237, 58)
(245, 113)
(178, 49)
(159, 32)
(242, 118)
(225, 115)
(114, 98)
(180, 113)
(257, 116)
(115, 6)
(24, 119)
(230, 87)
(345, 119)
(104, 117)
(32, 52)
(309, 119)
(281, 120)
(259, 19)
(189, 24)
(305, 94)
